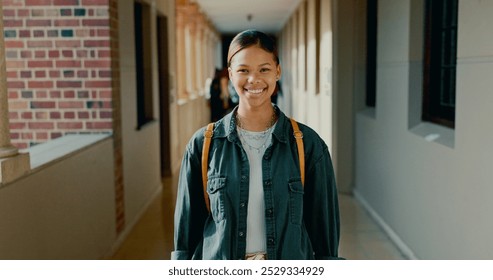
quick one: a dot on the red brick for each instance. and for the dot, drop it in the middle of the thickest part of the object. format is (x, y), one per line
(66, 22)
(106, 94)
(40, 84)
(70, 104)
(55, 135)
(103, 33)
(27, 115)
(68, 44)
(41, 94)
(105, 74)
(81, 53)
(13, 95)
(23, 13)
(26, 54)
(53, 54)
(12, 75)
(54, 74)
(95, 22)
(65, 2)
(105, 114)
(24, 33)
(40, 64)
(17, 125)
(99, 125)
(38, 33)
(82, 33)
(21, 145)
(43, 104)
(38, 22)
(38, 13)
(55, 94)
(27, 135)
(15, 64)
(67, 53)
(69, 94)
(40, 44)
(68, 64)
(12, 23)
(68, 84)
(83, 115)
(96, 43)
(38, 2)
(39, 54)
(97, 64)
(55, 115)
(16, 84)
(95, 2)
(13, 115)
(69, 115)
(41, 125)
(40, 74)
(98, 84)
(14, 44)
(14, 136)
(41, 135)
(82, 74)
(104, 53)
(8, 13)
(70, 125)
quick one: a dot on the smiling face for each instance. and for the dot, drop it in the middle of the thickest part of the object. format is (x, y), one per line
(254, 74)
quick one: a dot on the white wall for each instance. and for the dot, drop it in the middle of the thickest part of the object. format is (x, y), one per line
(434, 197)
(62, 210)
(141, 157)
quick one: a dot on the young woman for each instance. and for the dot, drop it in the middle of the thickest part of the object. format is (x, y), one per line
(259, 206)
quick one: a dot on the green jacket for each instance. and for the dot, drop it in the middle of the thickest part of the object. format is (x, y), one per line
(301, 222)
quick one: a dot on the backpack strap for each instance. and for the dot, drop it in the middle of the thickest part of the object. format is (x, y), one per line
(209, 131)
(298, 135)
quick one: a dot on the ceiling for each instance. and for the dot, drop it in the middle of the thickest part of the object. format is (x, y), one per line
(231, 16)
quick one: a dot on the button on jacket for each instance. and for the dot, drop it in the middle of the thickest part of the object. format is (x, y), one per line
(301, 222)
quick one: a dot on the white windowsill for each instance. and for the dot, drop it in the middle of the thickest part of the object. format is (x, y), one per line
(435, 133)
(53, 150)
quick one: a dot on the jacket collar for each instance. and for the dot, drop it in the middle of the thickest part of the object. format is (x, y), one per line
(226, 127)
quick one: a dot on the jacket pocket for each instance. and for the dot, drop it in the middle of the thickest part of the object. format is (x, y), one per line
(217, 196)
(296, 202)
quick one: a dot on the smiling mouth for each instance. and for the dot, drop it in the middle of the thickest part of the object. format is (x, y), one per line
(254, 91)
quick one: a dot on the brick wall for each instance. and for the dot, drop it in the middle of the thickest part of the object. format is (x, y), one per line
(59, 74)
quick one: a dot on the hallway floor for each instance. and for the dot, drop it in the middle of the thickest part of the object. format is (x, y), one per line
(152, 237)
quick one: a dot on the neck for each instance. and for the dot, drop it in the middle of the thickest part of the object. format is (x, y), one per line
(256, 121)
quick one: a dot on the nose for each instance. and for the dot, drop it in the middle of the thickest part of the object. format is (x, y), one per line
(253, 78)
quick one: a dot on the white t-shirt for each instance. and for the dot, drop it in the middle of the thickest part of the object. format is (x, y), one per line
(255, 144)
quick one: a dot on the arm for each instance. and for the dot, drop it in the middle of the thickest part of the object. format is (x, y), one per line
(321, 207)
(190, 210)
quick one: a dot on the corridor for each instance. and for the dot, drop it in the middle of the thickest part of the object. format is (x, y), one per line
(152, 236)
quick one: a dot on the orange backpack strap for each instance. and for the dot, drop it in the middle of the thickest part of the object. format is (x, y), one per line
(298, 135)
(209, 131)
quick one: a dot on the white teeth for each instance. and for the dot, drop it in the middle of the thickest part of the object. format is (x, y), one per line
(255, 90)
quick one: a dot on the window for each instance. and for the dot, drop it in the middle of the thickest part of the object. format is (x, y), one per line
(440, 56)
(143, 64)
(371, 55)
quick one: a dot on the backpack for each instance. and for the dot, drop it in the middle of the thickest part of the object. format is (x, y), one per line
(209, 131)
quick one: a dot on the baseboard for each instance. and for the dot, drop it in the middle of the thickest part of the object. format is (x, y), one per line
(403, 248)
(121, 238)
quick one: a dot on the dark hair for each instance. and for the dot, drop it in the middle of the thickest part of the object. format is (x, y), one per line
(250, 38)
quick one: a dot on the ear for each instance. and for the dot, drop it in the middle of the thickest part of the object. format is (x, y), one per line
(279, 71)
(230, 73)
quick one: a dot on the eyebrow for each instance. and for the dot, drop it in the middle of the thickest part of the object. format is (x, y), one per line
(246, 65)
